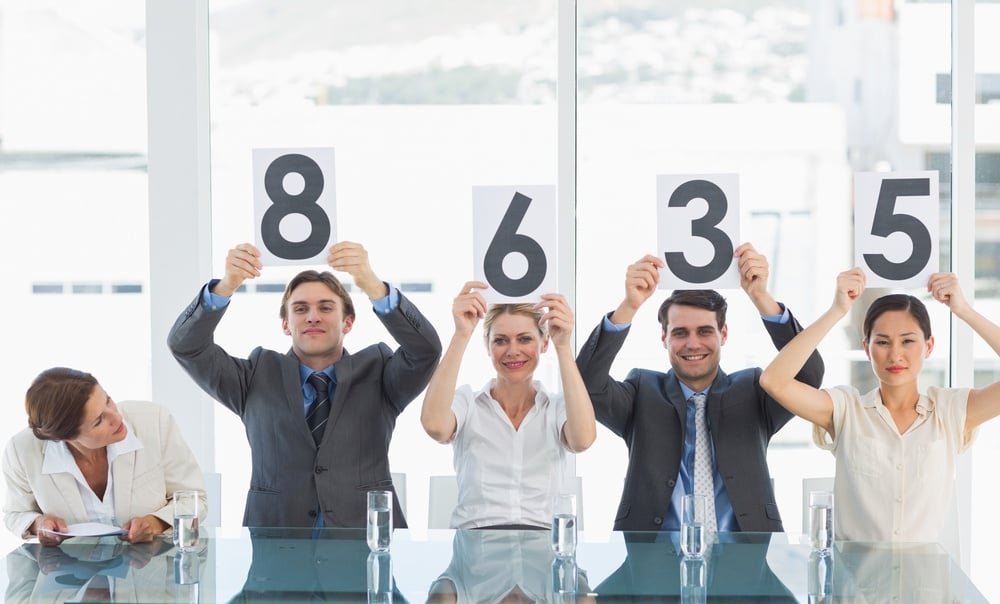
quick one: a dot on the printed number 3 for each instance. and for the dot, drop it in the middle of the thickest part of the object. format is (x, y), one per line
(705, 228)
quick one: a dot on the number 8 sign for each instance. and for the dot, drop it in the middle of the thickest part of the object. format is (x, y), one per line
(896, 232)
(295, 204)
(514, 241)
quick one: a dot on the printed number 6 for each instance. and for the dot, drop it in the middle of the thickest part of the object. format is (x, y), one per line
(304, 204)
(704, 227)
(508, 241)
(887, 222)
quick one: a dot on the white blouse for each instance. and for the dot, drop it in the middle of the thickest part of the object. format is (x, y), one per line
(507, 476)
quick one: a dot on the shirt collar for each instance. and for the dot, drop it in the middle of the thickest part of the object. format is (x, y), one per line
(688, 392)
(59, 459)
(541, 395)
(874, 399)
(305, 372)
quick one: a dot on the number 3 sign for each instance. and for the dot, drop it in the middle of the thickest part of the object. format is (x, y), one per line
(295, 204)
(698, 220)
(896, 230)
(514, 241)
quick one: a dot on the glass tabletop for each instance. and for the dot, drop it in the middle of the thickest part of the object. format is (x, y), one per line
(267, 565)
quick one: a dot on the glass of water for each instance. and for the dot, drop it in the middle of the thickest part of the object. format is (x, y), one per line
(821, 521)
(564, 524)
(379, 577)
(186, 519)
(693, 525)
(379, 520)
(694, 580)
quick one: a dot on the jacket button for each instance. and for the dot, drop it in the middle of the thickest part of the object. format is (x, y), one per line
(657, 521)
(312, 513)
(671, 482)
(320, 469)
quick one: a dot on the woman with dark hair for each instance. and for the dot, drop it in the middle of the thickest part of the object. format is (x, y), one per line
(895, 448)
(85, 459)
(511, 439)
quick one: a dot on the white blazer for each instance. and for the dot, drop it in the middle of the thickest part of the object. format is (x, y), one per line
(144, 480)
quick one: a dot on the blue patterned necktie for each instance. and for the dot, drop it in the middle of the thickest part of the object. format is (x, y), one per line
(319, 412)
(704, 478)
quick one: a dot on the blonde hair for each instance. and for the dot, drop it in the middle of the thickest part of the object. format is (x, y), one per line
(495, 310)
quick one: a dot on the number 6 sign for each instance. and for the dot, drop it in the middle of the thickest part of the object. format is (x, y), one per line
(698, 220)
(514, 241)
(896, 230)
(295, 204)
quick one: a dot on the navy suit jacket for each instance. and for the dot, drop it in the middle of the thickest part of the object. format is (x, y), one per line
(648, 411)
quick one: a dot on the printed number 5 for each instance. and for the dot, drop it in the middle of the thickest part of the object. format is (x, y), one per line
(887, 222)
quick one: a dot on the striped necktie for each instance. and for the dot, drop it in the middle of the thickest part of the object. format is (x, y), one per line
(319, 412)
(704, 478)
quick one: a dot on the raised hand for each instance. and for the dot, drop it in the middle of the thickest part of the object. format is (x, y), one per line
(242, 263)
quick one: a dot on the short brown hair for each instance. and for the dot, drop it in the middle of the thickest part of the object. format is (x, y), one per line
(707, 299)
(327, 279)
(55, 402)
(496, 310)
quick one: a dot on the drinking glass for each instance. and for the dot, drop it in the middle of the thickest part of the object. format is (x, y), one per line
(186, 519)
(564, 579)
(820, 580)
(693, 525)
(379, 577)
(821, 521)
(379, 520)
(564, 524)
(694, 580)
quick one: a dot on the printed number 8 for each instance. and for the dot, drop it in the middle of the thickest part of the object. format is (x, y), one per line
(284, 203)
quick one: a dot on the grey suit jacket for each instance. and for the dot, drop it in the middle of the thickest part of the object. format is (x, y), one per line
(289, 474)
(648, 411)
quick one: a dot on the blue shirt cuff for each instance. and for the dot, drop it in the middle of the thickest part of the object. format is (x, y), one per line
(782, 318)
(607, 325)
(213, 301)
(387, 304)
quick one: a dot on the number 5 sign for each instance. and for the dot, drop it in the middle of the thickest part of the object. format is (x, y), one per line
(698, 220)
(295, 204)
(896, 230)
(514, 241)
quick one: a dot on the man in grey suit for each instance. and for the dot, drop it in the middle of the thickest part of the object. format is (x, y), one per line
(318, 419)
(654, 412)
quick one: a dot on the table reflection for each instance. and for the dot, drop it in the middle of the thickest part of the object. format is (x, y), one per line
(734, 568)
(293, 565)
(503, 566)
(91, 569)
(298, 565)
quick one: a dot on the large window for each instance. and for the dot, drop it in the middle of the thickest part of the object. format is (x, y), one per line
(74, 276)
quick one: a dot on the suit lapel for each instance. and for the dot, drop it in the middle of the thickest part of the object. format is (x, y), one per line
(714, 403)
(69, 489)
(675, 396)
(123, 471)
(344, 369)
(291, 383)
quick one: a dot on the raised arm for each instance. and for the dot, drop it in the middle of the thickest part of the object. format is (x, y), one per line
(754, 273)
(984, 403)
(778, 379)
(580, 429)
(436, 415)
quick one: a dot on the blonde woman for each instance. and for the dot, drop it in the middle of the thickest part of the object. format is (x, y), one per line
(511, 438)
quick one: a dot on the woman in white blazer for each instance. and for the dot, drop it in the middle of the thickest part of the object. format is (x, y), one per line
(84, 458)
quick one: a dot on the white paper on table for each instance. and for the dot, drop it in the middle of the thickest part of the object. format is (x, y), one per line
(91, 529)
